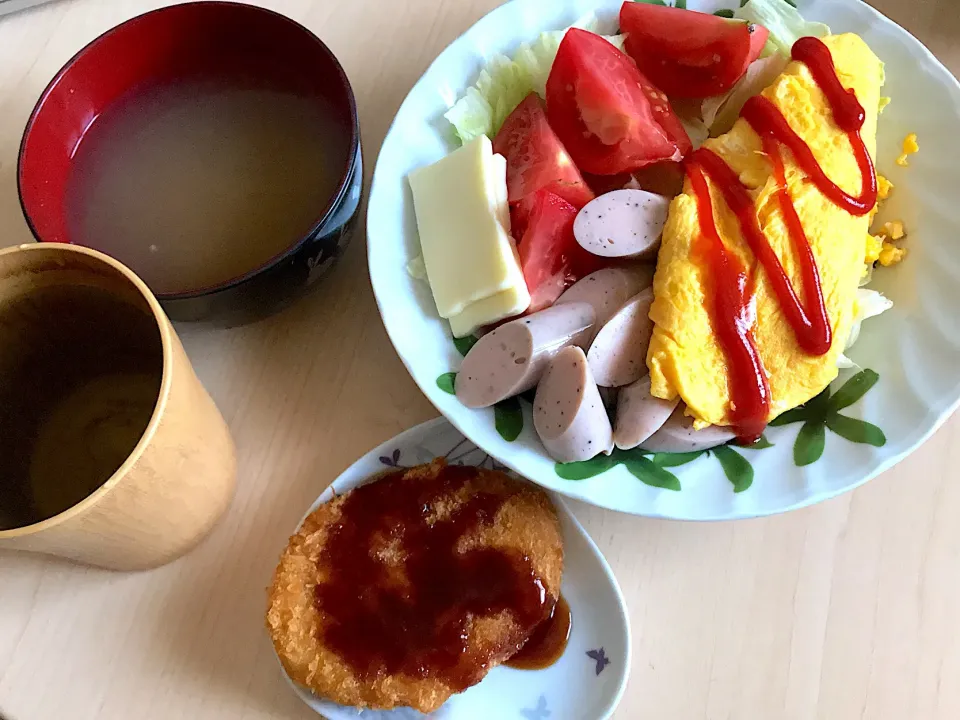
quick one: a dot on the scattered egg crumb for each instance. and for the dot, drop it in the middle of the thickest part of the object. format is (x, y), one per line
(884, 190)
(891, 254)
(894, 230)
(884, 102)
(880, 247)
(910, 147)
(884, 187)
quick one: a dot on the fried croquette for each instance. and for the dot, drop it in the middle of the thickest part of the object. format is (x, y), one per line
(411, 588)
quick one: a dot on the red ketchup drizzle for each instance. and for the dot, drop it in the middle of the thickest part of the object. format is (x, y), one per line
(766, 120)
(749, 388)
(730, 315)
(810, 324)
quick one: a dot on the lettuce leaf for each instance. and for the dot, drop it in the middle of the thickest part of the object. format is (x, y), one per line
(505, 82)
(720, 113)
(690, 114)
(784, 22)
(869, 304)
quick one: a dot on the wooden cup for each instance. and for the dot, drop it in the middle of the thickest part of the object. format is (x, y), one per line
(111, 451)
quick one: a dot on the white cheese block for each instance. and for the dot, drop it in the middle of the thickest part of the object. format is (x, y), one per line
(463, 219)
(508, 303)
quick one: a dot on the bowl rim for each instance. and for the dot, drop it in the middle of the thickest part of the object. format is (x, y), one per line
(336, 199)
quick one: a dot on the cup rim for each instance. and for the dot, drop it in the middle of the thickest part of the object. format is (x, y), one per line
(336, 199)
(167, 337)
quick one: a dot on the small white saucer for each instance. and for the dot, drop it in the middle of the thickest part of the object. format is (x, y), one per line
(588, 680)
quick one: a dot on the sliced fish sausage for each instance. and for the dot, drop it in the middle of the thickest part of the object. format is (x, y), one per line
(640, 414)
(622, 224)
(609, 289)
(618, 355)
(568, 413)
(678, 436)
(511, 359)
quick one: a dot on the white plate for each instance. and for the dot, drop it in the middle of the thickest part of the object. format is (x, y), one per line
(915, 348)
(588, 680)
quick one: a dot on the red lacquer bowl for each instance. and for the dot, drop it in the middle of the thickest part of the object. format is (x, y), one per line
(185, 42)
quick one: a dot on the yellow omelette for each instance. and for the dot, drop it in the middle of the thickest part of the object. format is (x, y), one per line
(685, 358)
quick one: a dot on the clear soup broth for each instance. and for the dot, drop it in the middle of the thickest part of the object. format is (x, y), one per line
(196, 183)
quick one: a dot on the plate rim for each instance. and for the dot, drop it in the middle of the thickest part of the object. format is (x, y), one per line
(571, 490)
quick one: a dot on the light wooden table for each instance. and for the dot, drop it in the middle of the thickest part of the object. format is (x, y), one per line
(846, 610)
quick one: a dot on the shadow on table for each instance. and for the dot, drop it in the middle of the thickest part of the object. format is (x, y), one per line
(212, 624)
(210, 621)
(212, 616)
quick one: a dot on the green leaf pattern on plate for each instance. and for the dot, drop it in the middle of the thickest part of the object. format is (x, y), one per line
(853, 390)
(810, 444)
(446, 382)
(652, 468)
(588, 468)
(647, 468)
(508, 417)
(736, 467)
(761, 444)
(465, 344)
(823, 413)
(649, 473)
(857, 431)
(789, 417)
(676, 459)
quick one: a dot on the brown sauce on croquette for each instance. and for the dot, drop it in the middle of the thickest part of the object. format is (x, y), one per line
(400, 591)
(548, 641)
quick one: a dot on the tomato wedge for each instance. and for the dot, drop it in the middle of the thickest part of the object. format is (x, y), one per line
(609, 117)
(536, 159)
(550, 256)
(690, 54)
